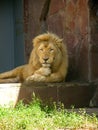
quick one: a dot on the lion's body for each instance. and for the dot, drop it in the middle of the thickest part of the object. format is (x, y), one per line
(48, 62)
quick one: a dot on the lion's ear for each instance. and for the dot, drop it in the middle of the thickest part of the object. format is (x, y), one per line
(35, 41)
(59, 43)
(40, 38)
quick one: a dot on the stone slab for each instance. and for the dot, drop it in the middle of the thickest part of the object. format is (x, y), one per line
(77, 94)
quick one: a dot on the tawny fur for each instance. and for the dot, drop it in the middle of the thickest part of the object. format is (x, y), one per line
(48, 62)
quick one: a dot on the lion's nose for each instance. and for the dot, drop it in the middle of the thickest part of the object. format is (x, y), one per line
(45, 59)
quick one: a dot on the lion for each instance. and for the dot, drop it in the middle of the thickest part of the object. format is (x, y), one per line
(48, 62)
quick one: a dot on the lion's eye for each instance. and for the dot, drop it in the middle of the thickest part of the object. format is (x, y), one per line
(51, 50)
(41, 49)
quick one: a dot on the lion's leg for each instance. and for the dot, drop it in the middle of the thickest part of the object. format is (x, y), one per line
(44, 71)
(58, 76)
(55, 77)
(9, 74)
(12, 75)
(9, 77)
(10, 80)
(40, 75)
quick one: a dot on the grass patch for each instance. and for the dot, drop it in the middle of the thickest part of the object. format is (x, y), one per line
(37, 116)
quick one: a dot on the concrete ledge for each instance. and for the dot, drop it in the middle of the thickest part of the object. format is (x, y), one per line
(9, 93)
(77, 94)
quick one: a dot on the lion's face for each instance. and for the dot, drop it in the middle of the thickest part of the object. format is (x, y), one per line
(46, 53)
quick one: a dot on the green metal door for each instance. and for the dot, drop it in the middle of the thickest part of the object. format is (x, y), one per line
(11, 34)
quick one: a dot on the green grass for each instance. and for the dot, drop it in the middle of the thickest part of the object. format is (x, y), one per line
(37, 116)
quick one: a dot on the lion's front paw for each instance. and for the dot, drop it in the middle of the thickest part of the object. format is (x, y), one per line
(44, 71)
(36, 78)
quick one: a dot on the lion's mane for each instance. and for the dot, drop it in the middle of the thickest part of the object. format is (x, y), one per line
(34, 70)
(60, 66)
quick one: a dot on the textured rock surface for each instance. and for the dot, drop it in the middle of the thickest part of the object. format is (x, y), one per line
(72, 21)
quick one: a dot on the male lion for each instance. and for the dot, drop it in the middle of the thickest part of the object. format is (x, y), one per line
(48, 62)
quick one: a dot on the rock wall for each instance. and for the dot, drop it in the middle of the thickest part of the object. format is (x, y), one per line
(93, 7)
(71, 20)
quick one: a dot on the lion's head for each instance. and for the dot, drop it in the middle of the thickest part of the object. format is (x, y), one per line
(48, 51)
